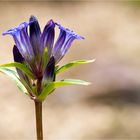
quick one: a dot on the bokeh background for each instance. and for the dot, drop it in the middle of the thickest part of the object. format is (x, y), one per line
(107, 109)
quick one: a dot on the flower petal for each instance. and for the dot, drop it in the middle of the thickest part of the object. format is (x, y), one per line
(49, 73)
(64, 41)
(47, 37)
(35, 34)
(18, 58)
(22, 40)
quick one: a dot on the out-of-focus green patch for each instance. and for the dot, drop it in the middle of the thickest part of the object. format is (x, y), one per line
(132, 3)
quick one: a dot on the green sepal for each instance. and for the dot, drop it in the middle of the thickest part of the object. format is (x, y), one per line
(45, 57)
(13, 75)
(73, 63)
(20, 66)
(52, 86)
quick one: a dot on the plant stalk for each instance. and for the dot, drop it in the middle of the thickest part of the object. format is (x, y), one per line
(39, 126)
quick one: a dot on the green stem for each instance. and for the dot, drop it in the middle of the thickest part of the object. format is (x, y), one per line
(39, 127)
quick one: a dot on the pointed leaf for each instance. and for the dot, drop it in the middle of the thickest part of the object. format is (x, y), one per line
(12, 74)
(52, 86)
(20, 66)
(70, 82)
(46, 91)
(74, 63)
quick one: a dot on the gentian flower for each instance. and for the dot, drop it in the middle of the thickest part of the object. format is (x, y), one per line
(39, 53)
(36, 58)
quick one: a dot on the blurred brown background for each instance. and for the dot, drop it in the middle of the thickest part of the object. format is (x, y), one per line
(107, 109)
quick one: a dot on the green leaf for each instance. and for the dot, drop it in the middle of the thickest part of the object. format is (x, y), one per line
(46, 91)
(14, 76)
(70, 82)
(74, 63)
(20, 66)
(52, 86)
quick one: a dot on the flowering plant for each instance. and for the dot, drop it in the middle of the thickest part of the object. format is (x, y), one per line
(36, 59)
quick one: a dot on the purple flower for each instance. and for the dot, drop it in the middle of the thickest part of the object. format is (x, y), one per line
(64, 41)
(30, 47)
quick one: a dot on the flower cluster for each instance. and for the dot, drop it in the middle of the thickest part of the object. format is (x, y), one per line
(39, 53)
